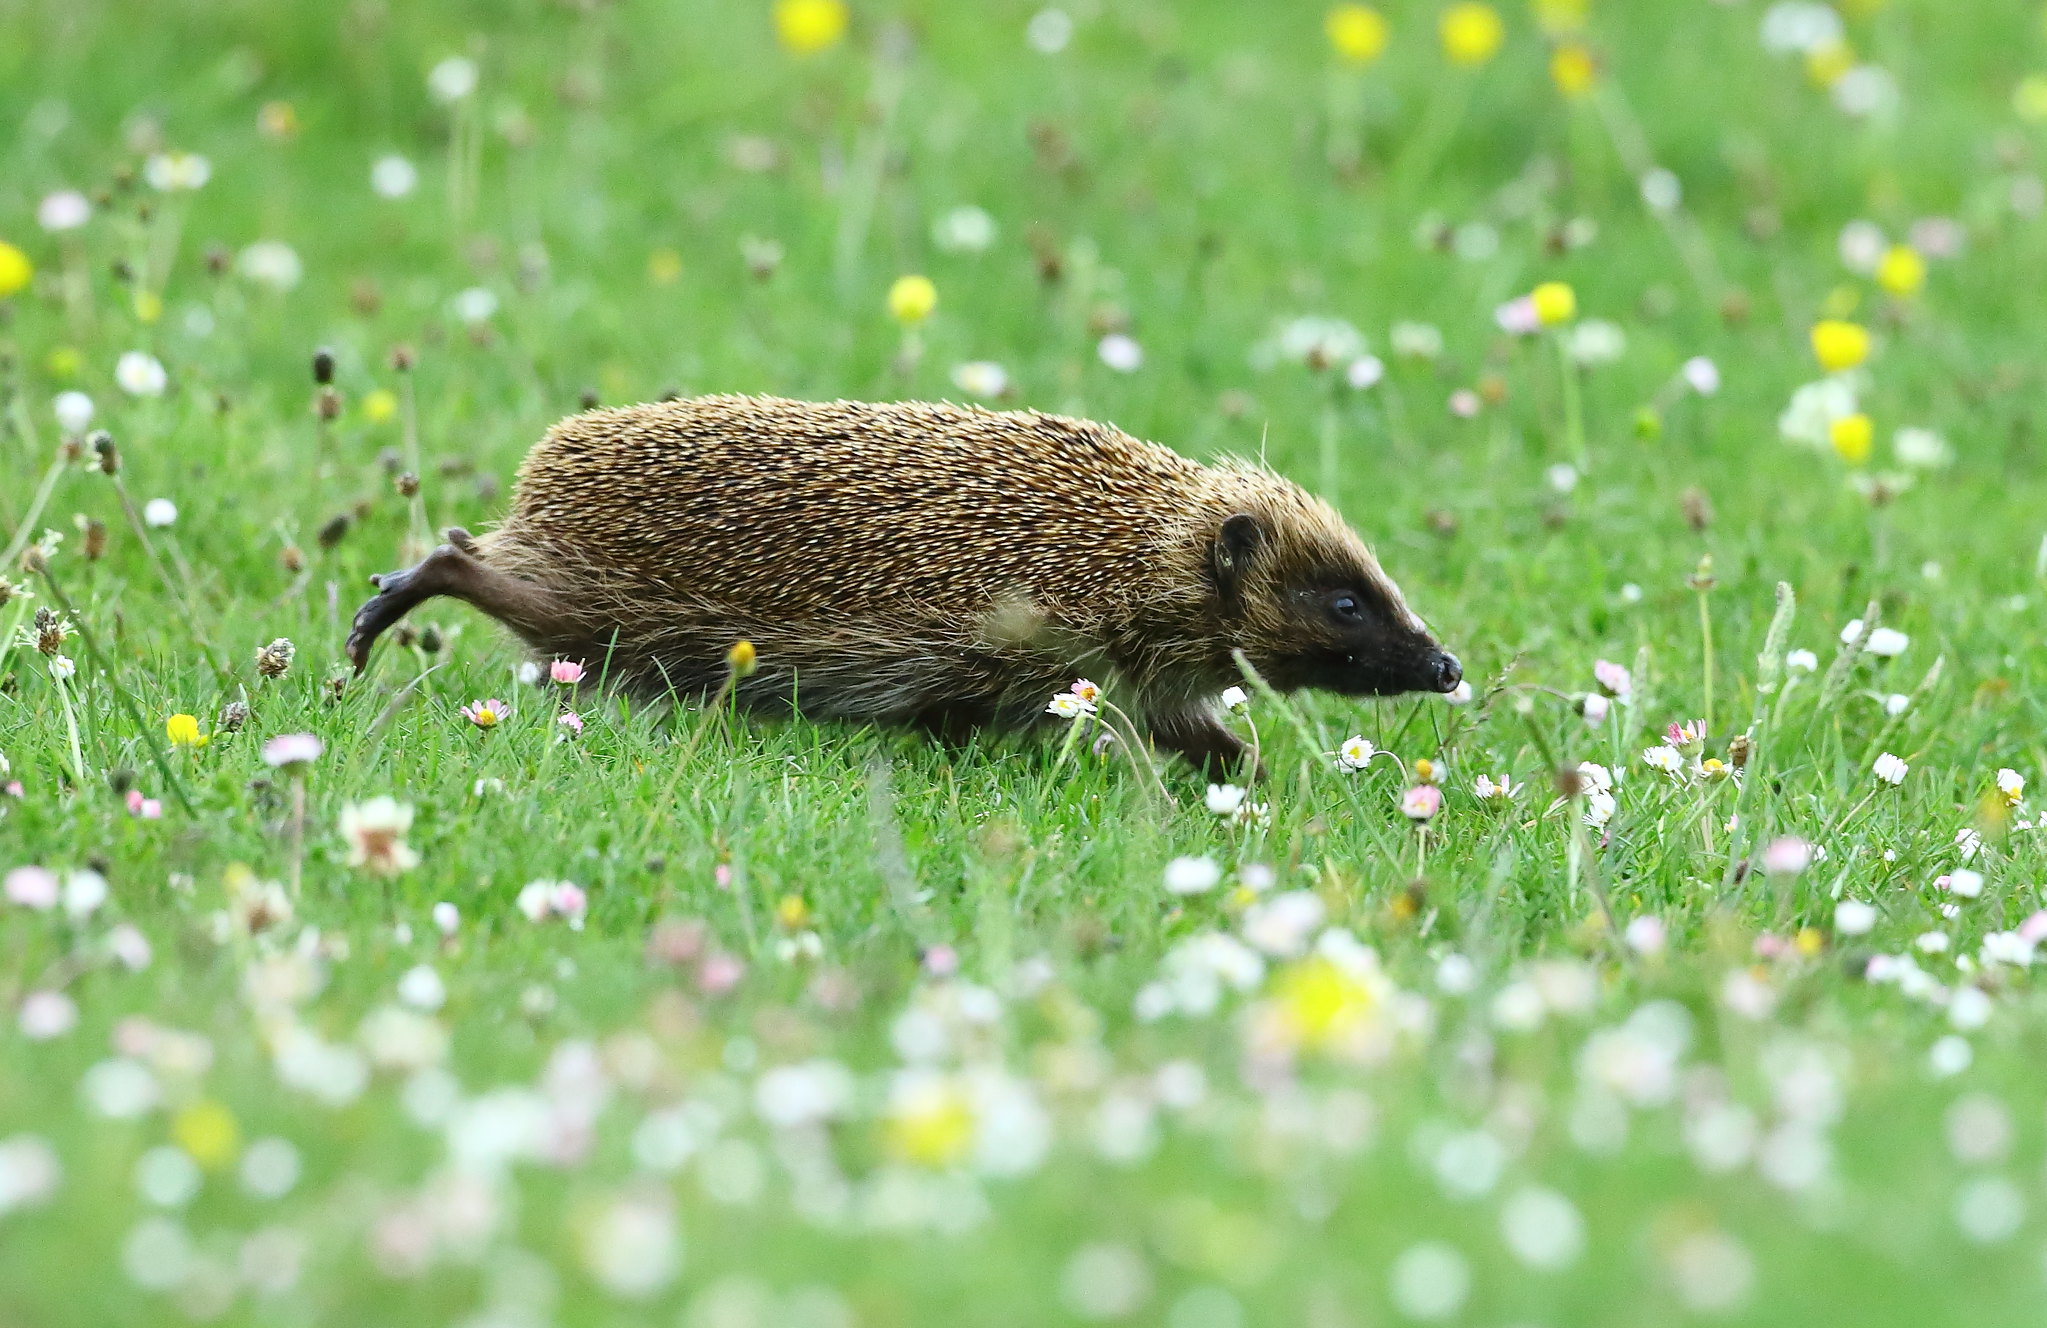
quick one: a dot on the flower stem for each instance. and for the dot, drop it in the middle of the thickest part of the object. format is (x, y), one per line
(70, 730)
(1706, 657)
(298, 831)
(1574, 404)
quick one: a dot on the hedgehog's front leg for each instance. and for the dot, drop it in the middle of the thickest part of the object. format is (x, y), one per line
(454, 570)
(1200, 737)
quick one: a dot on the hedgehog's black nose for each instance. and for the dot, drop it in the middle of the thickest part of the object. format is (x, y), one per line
(1448, 672)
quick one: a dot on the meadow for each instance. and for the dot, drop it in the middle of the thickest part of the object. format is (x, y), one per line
(1679, 359)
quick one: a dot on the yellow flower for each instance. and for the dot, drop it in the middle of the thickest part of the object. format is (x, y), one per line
(2029, 99)
(1824, 65)
(1902, 271)
(278, 120)
(930, 1122)
(1555, 303)
(1358, 32)
(207, 1131)
(1573, 70)
(912, 299)
(1561, 17)
(1472, 33)
(1852, 435)
(1809, 942)
(1839, 346)
(791, 912)
(805, 27)
(663, 267)
(1319, 1004)
(380, 405)
(183, 731)
(148, 306)
(15, 270)
(741, 659)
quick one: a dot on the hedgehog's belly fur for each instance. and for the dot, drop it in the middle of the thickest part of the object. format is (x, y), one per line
(887, 664)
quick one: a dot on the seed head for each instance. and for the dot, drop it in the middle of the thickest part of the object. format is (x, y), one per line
(232, 716)
(323, 366)
(50, 631)
(334, 531)
(1738, 749)
(402, 358)
(293, 558)
(327, 405)
(102, 444)
(95, 539)
(407, 484)
(274, 660)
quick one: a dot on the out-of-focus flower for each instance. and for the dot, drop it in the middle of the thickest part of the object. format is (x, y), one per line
(1596, 342)
(1901, 271)
(1357, 33)
(1853, 917)
(1517, 317)
(1049, 31)
(1614, 678)
(1884, 641)
(806, 27)
(65, 210)
(160, 512)
(539, 900)
(1702, 375)
(1192, 876)
(475, 305)
(392, 176)
(141, 374)
(1786, 855)
(1921, 449)
(1890, 769)
(1421, 803)
(1554, 303)
(15, 270)
(2011, 785)
(1493, 789)
(1365, 372)
(981, 378)
(172, 172)
(73, 410)
(1416, 341)
(271, 263)
(1595, 708)
(1839, 345)
(452, 79)
(1120, 352)
(1852, 437)
(1599, 808)
(1809, 416)
(1661, 190)
(1801, 661)
(1573, 69)
(292, 750)
(912, 299)
(964, 230)
(1472, 33)
(1224, 799)
(32, 887)
(375, 831)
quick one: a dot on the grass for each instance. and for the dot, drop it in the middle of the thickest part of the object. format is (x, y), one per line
(1800, 1145)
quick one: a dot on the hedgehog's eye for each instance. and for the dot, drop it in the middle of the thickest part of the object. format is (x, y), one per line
(1345, 608)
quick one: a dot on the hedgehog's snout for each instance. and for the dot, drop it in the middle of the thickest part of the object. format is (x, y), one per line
(1445, 671)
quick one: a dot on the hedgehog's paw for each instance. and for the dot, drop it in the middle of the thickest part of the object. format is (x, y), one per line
(393, 600)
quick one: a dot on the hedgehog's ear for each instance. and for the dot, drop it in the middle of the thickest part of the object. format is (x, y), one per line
(1235, 545)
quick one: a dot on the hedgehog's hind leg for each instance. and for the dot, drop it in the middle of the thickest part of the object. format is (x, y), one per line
(453, 570)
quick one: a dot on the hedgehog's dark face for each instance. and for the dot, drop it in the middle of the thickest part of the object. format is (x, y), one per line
(1329, 619)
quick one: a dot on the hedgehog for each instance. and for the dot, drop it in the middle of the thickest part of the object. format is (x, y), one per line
(940, 567)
